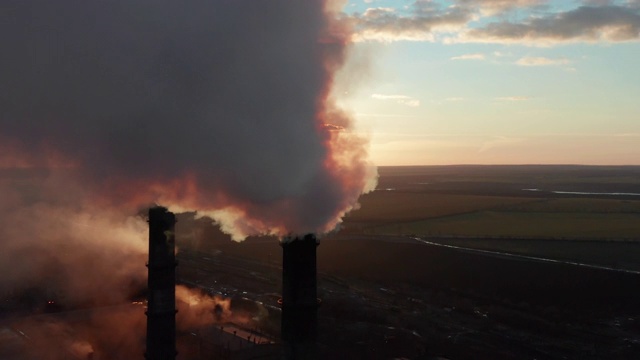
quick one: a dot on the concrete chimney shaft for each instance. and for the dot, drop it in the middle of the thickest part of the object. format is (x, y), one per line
(161, 307)
(299, 297)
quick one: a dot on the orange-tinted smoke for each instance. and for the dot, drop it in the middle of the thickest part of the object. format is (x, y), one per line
(221, 107)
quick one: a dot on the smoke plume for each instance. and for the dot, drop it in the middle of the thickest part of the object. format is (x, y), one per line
(56, 247)
(197, 309)
(103, 333)
(115, 332)
(223, 107)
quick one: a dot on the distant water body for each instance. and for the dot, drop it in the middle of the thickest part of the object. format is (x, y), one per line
(587, 193)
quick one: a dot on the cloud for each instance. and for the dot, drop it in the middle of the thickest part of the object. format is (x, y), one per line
(469, 57)
(500, 54)
(386, 25)
(513, 98)
(499, 142)
(598, 2)
(400, 99)
(584, 24)
(482, 21)
(541, 61)
(495, 6)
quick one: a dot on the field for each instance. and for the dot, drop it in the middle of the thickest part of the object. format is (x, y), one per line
(389, 295)
(397, 206)
(464, 263)
(453, 262)
(575, 214)
(527, 225)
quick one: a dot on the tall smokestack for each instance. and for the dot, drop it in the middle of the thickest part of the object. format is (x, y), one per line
(299, 297)
(161, 308)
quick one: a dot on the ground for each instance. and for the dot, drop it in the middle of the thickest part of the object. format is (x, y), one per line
(391, 291)
(462, 262)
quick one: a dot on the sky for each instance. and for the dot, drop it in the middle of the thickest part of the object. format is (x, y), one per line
(496, 81)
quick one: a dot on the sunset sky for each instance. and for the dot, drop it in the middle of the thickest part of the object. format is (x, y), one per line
(497, 81)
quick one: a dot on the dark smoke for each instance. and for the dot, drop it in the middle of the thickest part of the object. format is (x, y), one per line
(222, 107)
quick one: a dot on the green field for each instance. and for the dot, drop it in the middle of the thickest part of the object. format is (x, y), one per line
(395, 206)
(484, 207)
(546, 225)
(578, 205)
(489, 201)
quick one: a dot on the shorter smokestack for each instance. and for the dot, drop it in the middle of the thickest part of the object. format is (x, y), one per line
(299, 325)
(161, 307)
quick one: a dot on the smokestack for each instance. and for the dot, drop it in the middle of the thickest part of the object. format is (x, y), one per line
(161, 307)
(299, 297)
